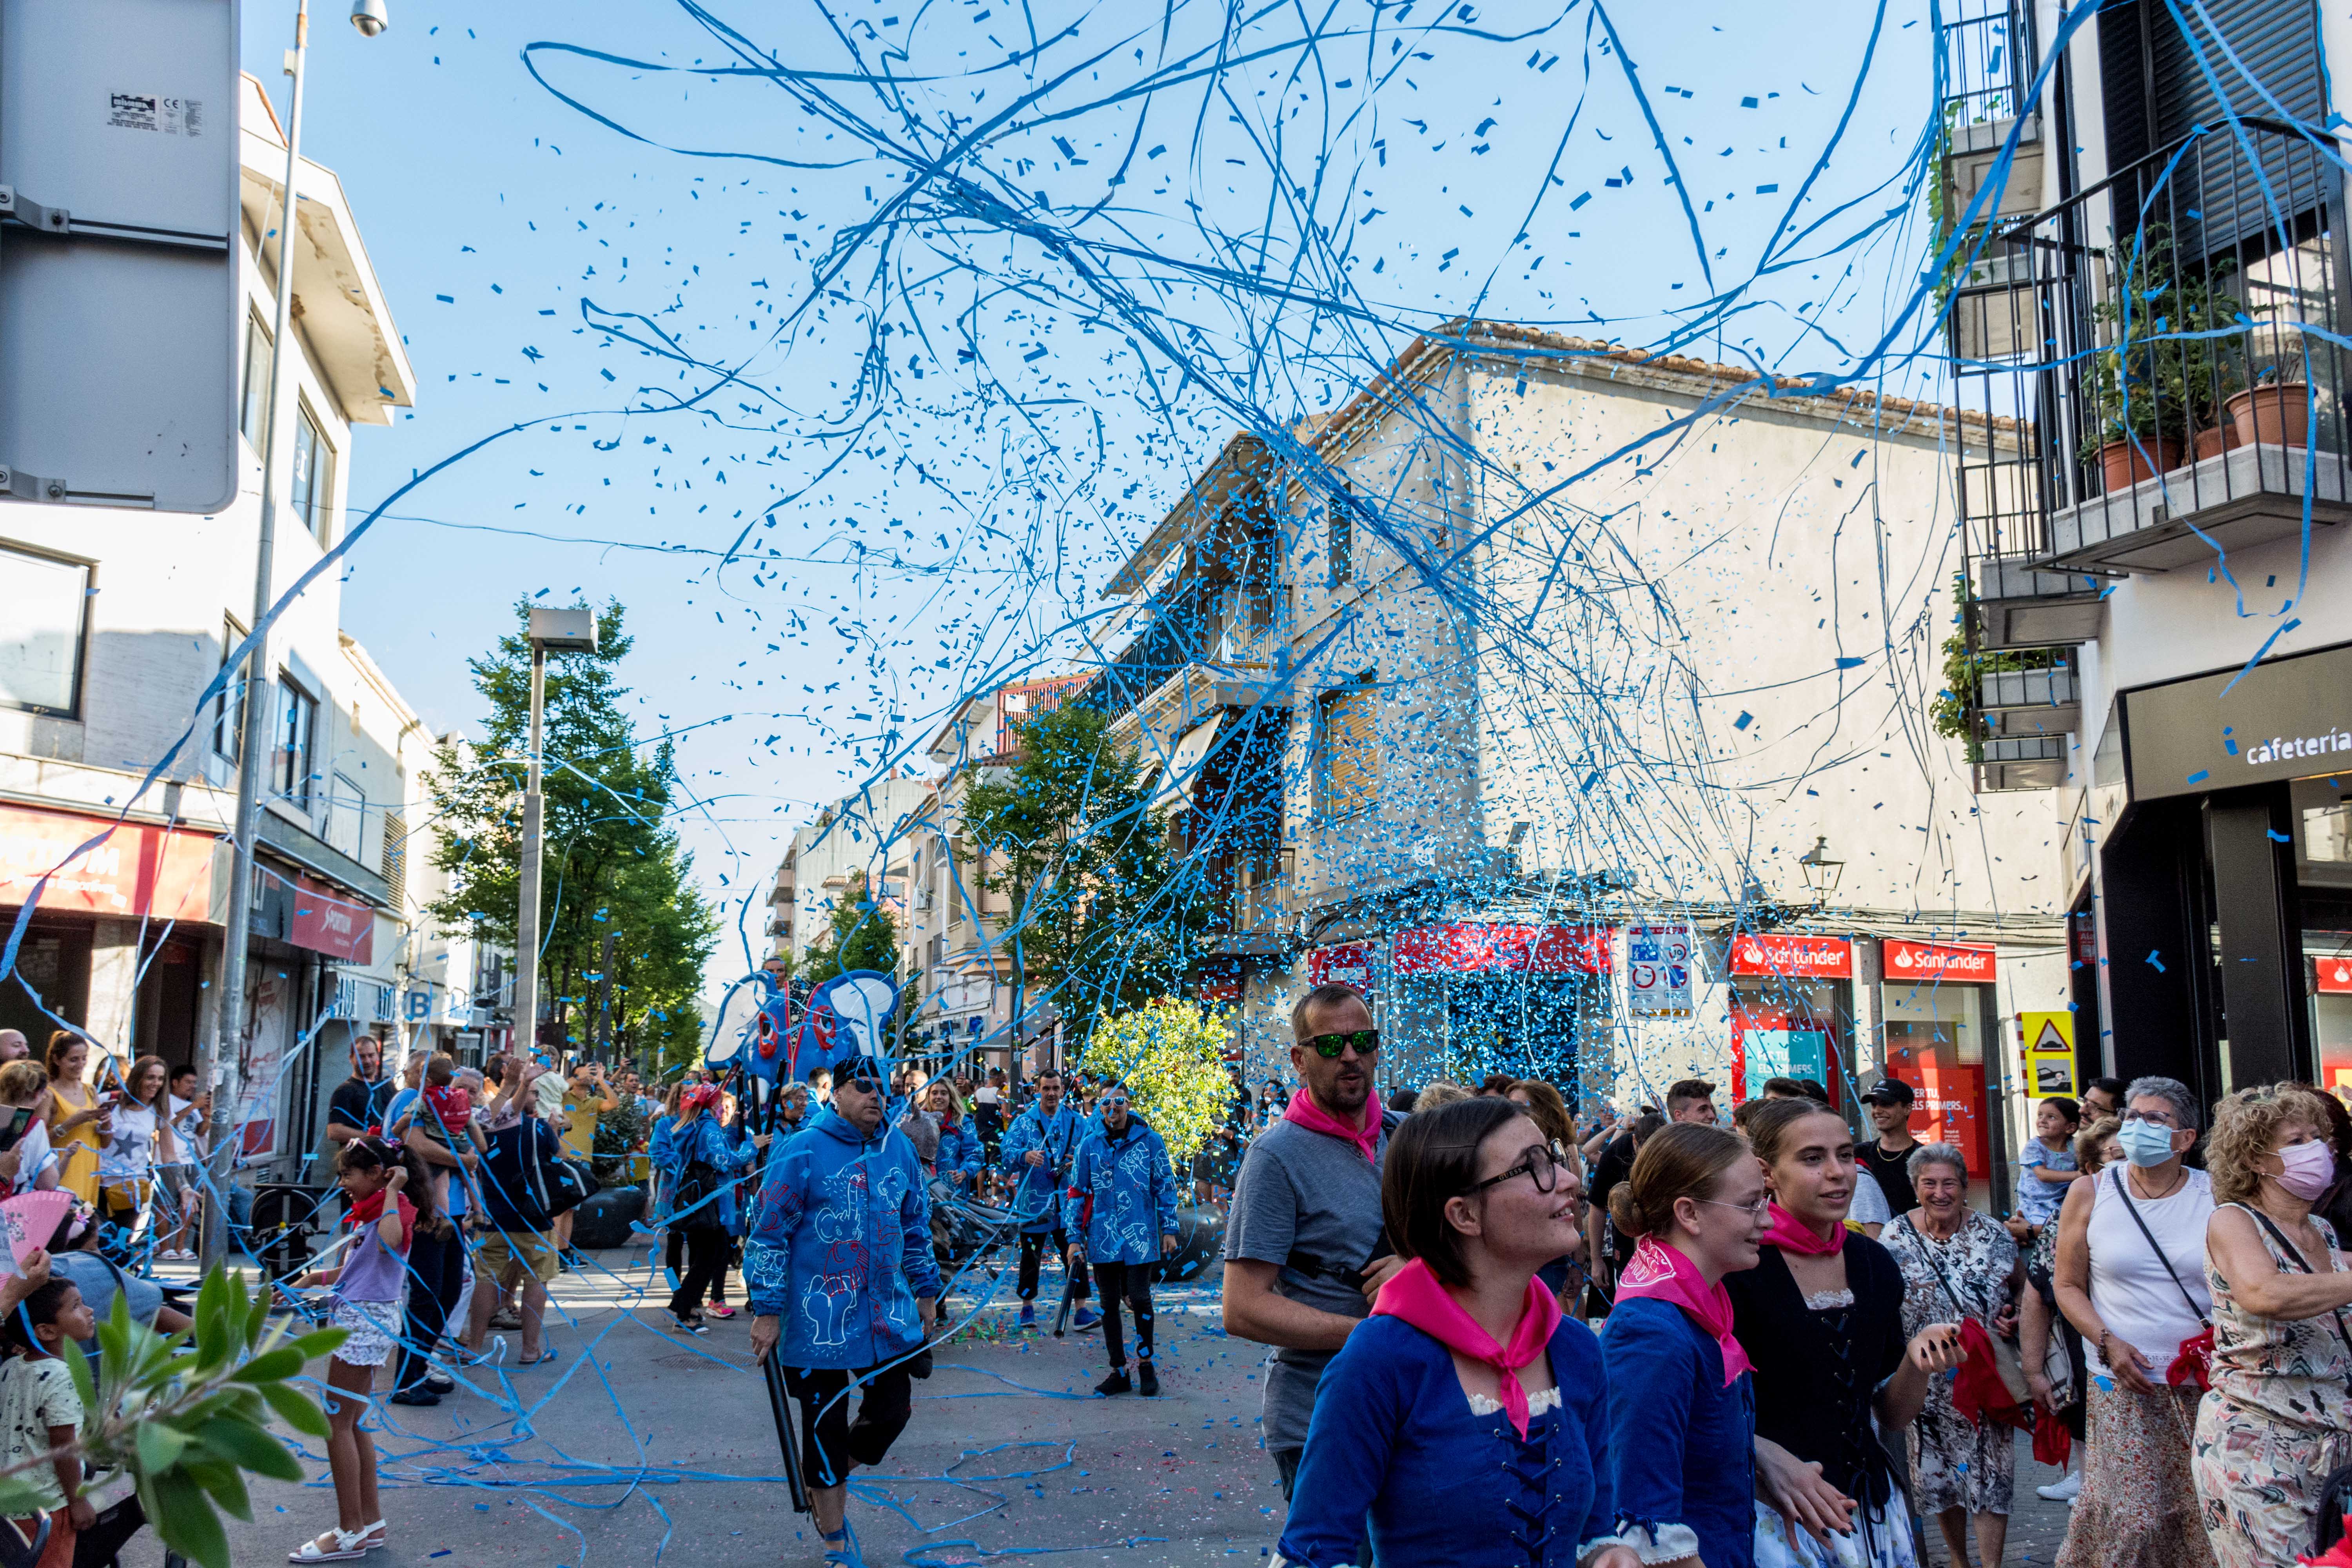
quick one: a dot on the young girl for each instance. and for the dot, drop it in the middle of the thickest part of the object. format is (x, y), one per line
(2046, 1164)
(377, 1177)
(39, 1412)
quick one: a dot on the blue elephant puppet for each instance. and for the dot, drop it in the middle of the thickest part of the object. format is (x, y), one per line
(845, 1291)
(1121, 1197)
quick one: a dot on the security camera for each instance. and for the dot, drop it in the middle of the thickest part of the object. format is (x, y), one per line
(369, 17)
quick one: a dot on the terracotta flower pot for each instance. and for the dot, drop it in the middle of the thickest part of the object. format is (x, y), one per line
(2272, 415)
(2123, 464)
(2212, 443)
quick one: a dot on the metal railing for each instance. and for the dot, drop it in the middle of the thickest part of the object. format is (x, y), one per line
(1988, 61)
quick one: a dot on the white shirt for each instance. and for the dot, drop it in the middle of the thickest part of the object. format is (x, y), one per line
(986, 1094)
(1869, 1205)
(33, 1155)
(2130, 1290)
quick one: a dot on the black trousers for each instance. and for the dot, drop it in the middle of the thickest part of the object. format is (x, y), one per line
(1133, 1281)
(705, 1265)
(437, 1276)
(1032, 1243)
(830, 1441)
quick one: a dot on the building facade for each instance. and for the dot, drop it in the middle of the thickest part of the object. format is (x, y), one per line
(122, 619)
(2161, 645)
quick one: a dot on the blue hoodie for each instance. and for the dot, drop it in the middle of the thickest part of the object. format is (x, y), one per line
(1118, 1189)
(841, 1246)
(960, 1151)
(701, 1139)
(1038, 1197)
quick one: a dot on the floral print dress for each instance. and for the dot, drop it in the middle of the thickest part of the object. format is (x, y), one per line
(1955, 1463)
(2277, 1419)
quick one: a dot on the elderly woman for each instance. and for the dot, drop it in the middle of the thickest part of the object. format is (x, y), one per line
(2131, 1279)
(1956, 1263)
(2279, 1417)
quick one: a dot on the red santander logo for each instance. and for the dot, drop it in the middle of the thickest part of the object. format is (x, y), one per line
(1933, 960)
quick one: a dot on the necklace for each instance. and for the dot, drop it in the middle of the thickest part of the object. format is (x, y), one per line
(2179, 1176)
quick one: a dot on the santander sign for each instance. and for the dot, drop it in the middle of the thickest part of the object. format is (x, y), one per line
(1933, 960)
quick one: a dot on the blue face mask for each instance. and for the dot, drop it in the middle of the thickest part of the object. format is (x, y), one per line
(2146, 1142)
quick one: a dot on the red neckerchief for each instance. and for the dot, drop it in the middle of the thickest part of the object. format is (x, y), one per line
(1315, 1118)
(366, 1211)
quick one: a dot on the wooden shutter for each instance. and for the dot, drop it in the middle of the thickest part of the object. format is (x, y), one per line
(1350, 758)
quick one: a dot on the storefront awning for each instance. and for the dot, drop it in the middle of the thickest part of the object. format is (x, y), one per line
(1174, 792)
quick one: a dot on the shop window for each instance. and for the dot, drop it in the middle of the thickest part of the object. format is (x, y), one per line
(41, 644)
(1348, 768)
(1788, 1028)
(1936, 1043)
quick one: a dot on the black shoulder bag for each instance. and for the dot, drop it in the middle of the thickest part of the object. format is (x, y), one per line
(2197, 1349)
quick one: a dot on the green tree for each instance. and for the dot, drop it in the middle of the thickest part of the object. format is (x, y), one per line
(1104, 917)
(611, 861)
(1171, 1055)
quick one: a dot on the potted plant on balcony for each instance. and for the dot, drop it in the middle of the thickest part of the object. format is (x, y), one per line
(2159, 390)
(2273, 411)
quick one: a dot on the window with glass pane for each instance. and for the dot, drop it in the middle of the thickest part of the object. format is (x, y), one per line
(41, 637)
(228, 708)
(314, 475)
(298, 728)
(1339, 539)
(254, 407)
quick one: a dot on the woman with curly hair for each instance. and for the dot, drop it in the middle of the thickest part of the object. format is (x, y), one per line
(2278, 1417)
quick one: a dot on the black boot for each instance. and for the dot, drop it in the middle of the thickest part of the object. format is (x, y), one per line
(1115, 1383)
(1146, 1379)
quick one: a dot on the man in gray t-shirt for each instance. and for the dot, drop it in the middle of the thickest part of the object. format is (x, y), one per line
(1306, 1218)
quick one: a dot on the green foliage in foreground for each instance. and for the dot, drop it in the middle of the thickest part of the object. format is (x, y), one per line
(185, 1416)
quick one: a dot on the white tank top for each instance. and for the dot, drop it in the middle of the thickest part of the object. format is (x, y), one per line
(2130, 1290)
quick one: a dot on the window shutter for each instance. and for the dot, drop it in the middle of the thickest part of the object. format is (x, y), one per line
(1350, 764)
(395, 856)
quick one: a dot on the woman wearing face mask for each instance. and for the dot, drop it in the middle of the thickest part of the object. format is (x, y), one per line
(2279, 1417)
(2131, 1279)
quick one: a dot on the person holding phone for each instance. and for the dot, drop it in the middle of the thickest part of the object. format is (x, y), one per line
(78, 1120)
(139, 1135)
(26, 1162)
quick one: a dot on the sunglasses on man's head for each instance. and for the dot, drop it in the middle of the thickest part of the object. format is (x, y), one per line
(1329, 1047)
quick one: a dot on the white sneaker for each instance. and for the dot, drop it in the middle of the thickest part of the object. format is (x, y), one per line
(2065, 1488)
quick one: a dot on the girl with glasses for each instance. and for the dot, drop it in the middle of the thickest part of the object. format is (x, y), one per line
(1466, 1421)
(1682, 1405)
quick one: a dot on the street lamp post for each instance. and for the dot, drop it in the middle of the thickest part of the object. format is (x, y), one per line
(257, 712)
(1820, 872)
(551, 631)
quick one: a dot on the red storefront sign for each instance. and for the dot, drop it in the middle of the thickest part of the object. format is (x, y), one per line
(1521, 948)
(2335, 978)
(342, 928)
(1349, 964)
(165, 874)
(1950, 1096)
(1780, 953)
(1933, 961)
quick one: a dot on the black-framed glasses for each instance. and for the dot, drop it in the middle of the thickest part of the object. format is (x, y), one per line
(1329, 1047)
(2161, 1117)
(1541, 1163)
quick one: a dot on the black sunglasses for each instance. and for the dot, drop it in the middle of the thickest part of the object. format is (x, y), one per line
(1329, 1047)
(1541, 1163)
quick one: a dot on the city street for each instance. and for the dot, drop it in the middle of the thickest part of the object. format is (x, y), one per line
(665, 1447)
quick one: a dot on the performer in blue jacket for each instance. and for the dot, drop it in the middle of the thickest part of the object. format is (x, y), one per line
(843, 1285)
(699, 1157)
(1122, 1193)
(959, 1160)
(1037, 1151)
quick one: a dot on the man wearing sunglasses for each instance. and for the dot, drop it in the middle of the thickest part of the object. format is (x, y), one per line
(1304, 1249)
(843, 1284)
(1123, 1195)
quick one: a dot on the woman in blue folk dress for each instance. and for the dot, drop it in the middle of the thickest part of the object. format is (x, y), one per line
(1467, 1421)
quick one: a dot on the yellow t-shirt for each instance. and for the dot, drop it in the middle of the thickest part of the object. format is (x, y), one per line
(580, 1123)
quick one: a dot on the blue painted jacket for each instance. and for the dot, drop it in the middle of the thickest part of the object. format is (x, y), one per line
(960, 1151)
(1038, 1195)
(841, 1246)
(1122, 1195)
(701, 1139)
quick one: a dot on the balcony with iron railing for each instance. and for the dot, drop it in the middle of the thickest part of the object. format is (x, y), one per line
(2146, 403)
(1989, 58)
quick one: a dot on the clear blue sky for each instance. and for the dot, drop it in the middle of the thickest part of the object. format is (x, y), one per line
(944, 497)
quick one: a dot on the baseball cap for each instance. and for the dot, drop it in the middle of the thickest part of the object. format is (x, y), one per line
(1890, 1091)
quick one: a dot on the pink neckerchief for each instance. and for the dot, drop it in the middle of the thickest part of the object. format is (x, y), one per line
(1662, 1272)
(1791, 1234)
(1315, 1118)
(1415, 1295)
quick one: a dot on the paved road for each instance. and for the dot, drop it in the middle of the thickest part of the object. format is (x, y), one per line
(631, 1444)
(634, 1445)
